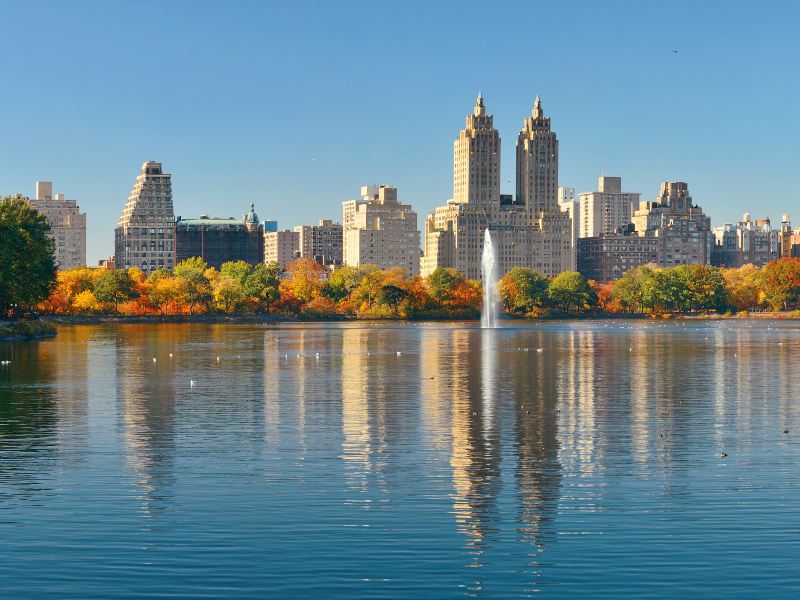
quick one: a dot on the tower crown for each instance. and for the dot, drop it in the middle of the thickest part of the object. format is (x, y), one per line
(537, 108)
(480, 109)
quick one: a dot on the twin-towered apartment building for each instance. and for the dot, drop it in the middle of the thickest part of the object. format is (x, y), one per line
(544, 227)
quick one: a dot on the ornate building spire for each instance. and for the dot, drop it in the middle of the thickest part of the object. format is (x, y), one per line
(480, 109)
(537, 108)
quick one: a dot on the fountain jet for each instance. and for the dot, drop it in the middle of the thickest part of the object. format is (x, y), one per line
(490, 311)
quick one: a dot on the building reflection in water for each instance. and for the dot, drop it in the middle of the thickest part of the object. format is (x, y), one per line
(537, 398)
(367, 386)
(147, 407)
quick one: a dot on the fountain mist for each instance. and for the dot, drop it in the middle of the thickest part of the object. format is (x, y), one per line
(490, 312)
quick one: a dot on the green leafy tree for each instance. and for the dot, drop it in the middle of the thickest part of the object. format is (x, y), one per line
(263, 282)
(391, 295)
(570, 291)
(523, 289)
(27, 259)
(344, 281)
(114, 285)
(193, 272)
(630, 289)
(704, 287)
(238, 270)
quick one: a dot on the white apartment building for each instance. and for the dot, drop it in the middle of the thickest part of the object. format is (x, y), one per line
(322, 243)
(281, 247)
(608, 209)
(569, 205)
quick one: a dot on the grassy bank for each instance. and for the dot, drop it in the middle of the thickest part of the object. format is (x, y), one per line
(26, 329)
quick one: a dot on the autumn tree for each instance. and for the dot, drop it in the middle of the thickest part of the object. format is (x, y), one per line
(781, 283)
(742, 287)
(442, 282)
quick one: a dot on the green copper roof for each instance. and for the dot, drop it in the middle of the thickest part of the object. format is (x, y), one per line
(209, 223)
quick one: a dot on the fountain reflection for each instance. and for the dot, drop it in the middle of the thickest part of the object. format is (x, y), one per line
(475, 459)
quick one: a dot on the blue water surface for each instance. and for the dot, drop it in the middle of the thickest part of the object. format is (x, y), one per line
(568, 459)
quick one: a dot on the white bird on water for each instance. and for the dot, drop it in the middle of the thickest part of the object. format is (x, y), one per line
(399, 354)
(218, 359)
(170, 354)
(5, 362)
(540, 349)
(192, 382)
(154, 360)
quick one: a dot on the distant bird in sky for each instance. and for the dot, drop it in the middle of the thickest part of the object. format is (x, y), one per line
(674, 51)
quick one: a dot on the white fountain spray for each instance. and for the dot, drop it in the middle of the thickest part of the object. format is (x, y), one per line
(490, 312)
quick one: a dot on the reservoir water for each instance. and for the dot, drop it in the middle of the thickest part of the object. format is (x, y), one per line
(568, 459)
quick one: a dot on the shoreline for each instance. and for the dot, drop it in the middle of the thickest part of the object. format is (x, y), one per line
(26, 330)
(66, 320)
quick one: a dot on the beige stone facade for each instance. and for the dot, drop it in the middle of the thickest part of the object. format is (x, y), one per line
(67, 225)
(476, 160)
(529, 232)
(682, 230)
(281, 247)
(537, 163)
(747, 242)
(379, 230)
(603, 212)
(145, 233)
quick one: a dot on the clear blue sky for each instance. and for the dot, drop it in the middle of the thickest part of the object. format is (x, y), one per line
(237, 99)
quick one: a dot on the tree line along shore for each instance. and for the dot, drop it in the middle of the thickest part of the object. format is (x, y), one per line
(30, 283)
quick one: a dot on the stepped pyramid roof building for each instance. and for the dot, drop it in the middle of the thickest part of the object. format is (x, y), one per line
(145, 233)
(528, 232)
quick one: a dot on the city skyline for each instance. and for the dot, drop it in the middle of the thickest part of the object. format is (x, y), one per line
(661, 116)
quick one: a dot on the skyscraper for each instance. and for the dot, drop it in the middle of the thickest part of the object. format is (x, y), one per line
(67, 225)
(145, 233)
(529, 231)
(537, 163)
(476, 160)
